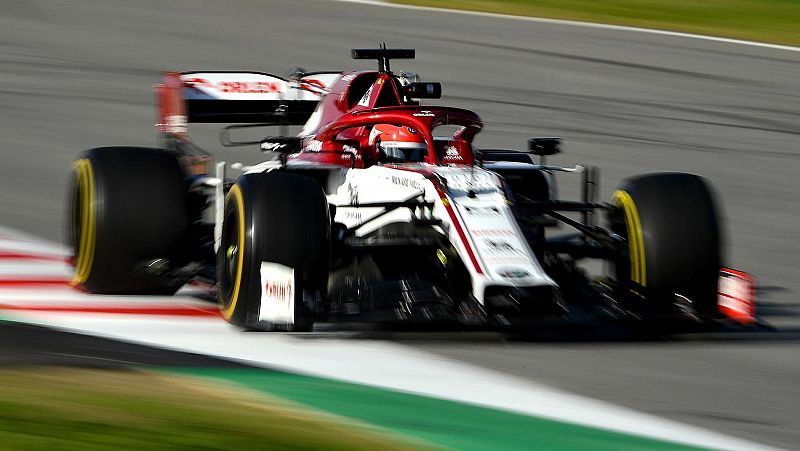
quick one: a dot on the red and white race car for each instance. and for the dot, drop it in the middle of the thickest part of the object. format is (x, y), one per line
(381, 209)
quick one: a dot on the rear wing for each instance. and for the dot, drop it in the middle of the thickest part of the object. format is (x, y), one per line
(237, 97)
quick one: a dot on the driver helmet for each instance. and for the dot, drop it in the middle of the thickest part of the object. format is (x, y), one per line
(398, 144)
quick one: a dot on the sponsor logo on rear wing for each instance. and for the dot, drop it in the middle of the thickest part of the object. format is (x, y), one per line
(237, 97)
(254, 86)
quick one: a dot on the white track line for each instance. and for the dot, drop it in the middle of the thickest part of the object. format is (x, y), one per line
(10, 269)
(18, 241)
(35, 248)
(578, 24)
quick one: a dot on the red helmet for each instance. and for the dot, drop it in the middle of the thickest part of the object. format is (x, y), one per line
(398, 144)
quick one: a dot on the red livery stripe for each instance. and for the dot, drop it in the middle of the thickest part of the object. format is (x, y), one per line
(123, 310)
(449, 207)
(460, 230)
(8, 255)
(32, 282)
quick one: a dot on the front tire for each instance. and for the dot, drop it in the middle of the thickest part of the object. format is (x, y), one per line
(273, 218)
(671, 225)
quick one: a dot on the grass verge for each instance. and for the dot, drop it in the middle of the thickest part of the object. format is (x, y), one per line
(89, 409)
(773, 21)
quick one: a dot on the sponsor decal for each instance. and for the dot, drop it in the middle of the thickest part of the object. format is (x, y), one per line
(518, 260)
(352, 190)
(500, 247)
(492, 232)
(372, 134)
(513, 273)
(192, 82)
(312, 84)
(277, 293)
(451, 153)
(352, 214)
(272, 146)
(313, 145)
(236, 87)
(482, 212)
(403, 181)
(423, 113)
(176, 124)
(442, 257)
(463, 181)
(280, 291)
(365, 99)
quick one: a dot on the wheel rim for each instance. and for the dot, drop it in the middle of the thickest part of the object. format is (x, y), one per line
(633, 234)
(76, 222)
(230, 256)
(232, 249)
(83, 221)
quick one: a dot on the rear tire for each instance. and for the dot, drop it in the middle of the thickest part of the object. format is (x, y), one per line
(128, 206)
(671, 225)
(278, 218)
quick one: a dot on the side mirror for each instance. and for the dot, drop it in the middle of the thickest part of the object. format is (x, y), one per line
(544, 146)
(427, 90)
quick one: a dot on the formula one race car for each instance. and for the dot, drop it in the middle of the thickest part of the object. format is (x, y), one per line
(372, 213)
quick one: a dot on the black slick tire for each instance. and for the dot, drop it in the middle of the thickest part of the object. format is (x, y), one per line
(671, 225)
(127, 207)
(278, 218)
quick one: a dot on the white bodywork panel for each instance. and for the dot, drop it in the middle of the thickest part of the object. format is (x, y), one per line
(482, 228)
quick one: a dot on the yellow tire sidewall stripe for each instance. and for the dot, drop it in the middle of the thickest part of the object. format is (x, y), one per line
(635, 236)
(84, 258)
(235, 195)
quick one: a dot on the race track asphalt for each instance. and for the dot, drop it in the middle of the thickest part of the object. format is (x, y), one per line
(26, 345)
(78, 74)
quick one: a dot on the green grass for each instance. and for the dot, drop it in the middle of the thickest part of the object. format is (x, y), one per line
(80, 409)
(449, 424)
(775, 21)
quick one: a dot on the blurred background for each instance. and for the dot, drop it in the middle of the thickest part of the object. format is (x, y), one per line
(79, 74)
